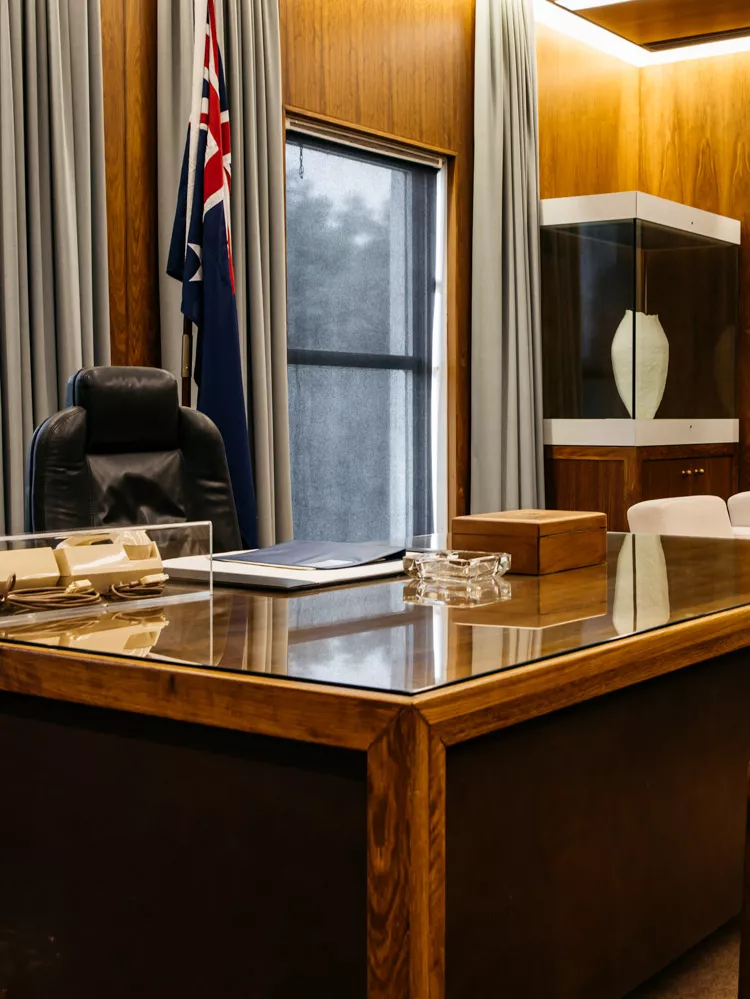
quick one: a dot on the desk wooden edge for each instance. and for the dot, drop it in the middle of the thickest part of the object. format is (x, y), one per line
(335, 716)
(353, 718)
(481, 705)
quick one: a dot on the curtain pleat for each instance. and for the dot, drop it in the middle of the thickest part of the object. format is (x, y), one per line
(251, 48)
(54, 289)
(507, 468)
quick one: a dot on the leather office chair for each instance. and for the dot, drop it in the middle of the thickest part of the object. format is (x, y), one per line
(124, 453)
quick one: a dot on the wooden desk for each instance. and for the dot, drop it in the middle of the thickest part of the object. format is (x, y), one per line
(551, 808)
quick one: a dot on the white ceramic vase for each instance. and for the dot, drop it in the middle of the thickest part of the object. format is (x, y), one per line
(652, 361)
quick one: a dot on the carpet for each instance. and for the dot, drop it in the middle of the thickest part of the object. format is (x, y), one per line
(708, 971)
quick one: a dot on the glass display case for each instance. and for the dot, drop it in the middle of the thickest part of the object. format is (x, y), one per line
(639, 320)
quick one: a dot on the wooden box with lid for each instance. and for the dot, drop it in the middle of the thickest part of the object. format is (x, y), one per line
(538, 541)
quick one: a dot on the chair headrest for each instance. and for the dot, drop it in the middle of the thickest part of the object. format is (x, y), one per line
(127, 409)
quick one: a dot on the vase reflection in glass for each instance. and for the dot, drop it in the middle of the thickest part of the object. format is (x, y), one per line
(649, 341)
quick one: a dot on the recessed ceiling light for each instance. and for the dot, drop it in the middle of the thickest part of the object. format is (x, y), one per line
(560, 19)
(585, 4)
(702, 50)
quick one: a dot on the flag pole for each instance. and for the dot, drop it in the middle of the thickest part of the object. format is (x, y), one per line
(187, 361)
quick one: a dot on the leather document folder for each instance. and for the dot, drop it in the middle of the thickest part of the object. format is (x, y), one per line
(317, 555)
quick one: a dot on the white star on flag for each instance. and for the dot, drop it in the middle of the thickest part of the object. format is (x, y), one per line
(198, 251)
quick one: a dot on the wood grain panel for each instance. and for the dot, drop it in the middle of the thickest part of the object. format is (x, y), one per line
(406, 862)
(588, 848)
(591, 483)
(113, 73)
(588, 119)
(285, 709)
(129, 68)
(696, 476)
(142, 235)
(406, 70)
(650, 22)
(662, 477)
(613, 479)
(695, 148)
(717, 480)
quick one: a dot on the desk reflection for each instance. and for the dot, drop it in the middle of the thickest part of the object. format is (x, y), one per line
(368, 635)
(641, 598)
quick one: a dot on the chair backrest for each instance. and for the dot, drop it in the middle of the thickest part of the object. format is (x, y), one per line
(739, 509)
(125, 452)
(694, 516)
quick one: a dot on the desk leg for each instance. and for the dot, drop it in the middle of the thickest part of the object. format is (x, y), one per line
(744, 987)
(406, 862)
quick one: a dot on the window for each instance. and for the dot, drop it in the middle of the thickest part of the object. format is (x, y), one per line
(365, 304)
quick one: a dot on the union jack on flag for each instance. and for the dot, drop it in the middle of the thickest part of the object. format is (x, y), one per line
(200, 256)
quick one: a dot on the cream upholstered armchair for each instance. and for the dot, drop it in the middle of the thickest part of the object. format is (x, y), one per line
(739, 514)
(694, 516)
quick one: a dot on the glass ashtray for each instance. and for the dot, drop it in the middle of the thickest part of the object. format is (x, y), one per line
(488, 590)
(457, 566)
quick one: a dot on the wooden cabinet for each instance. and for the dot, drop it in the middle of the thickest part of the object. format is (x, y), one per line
(721, 477)
(612, 479)
(667, 477)
(697, 475)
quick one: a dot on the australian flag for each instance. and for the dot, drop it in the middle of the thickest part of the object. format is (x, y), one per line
(200, 256)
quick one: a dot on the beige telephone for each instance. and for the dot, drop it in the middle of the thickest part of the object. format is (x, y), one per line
(32, 567)
(107, 557)
(104, 558)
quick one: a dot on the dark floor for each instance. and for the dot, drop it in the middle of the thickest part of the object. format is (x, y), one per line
(709, 971)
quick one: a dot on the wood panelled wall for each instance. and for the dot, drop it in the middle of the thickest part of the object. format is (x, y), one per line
(678, 131)
(129, 65)
(405, 68)
(695, 147)
(588, 119)
(397, 67)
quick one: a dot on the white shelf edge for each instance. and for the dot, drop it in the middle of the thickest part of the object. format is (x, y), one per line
(639, 433)
(638, 205)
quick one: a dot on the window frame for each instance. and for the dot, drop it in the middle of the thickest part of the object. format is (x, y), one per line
(430, 493)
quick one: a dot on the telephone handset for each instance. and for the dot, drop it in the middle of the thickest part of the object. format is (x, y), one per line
(137, 544)
(108, 557)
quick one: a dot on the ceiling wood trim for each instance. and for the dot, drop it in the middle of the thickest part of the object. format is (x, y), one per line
(660, 23)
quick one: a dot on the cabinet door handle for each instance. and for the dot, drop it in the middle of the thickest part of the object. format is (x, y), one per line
(687, 471)
(699, 471)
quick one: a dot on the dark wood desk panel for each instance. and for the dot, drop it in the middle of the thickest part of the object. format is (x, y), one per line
(142, 857)
(585, 848)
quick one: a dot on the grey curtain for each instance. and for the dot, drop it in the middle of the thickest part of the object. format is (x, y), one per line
(506, 375)
(54, 291)
(251, 49)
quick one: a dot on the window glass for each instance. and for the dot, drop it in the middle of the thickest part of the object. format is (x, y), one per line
(361, 273)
